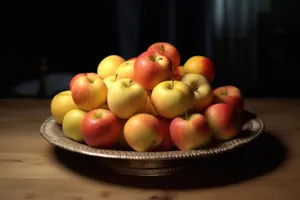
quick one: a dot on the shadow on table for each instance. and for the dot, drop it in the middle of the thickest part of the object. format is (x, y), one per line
(265, 154)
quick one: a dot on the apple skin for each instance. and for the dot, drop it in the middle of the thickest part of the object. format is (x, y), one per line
(126, 98)
(101, 128)
(71, 124)
(143, 132)
(110, 80)
(126, 69)
(167, 143)
(89, 92)
(231, 95)
(74, 78)
(108, 65)
(151, 68)
(223, 120)
(190, 132)
(60, 104)
(200, 65)
(171, 98)
(202, 90)
(178, 72)
(168, 50)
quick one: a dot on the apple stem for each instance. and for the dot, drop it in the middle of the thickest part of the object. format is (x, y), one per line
(116, 76)
(225, 91)
(186, 114)
(158, 59)
(172, 83)
(129, 83)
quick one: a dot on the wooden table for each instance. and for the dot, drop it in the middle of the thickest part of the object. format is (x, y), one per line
(31, 168)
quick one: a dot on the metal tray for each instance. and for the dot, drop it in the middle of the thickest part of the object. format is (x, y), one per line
(152, 163)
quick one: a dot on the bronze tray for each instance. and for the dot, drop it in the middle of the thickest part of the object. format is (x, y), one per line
(152, 163)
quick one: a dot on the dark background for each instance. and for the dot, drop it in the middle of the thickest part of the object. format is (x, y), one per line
(76, 37)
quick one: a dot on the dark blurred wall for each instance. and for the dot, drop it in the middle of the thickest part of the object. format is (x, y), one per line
(75, 37)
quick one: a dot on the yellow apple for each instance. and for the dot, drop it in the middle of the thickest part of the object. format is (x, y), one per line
(89, 92)
(71, 124)
(171, 98)
(202, 90)
(61, 103)
(143, 132)
(110, 80)
(125, 69)
(126, 98)
(108, 65)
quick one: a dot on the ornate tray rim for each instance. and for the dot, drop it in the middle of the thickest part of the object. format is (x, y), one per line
(61, 141)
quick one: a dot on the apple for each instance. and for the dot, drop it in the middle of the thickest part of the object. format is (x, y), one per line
(168, 50)
(60, 104)
(89, 92)
(200, 65)
(110, 80)
(178, 72)
(191, 131)
(167, 143)
(171, 98)
(108, 65)
(71, 124)
(101, 128)
(151, 68)
(125, 69)
(126, 98)
(231, 95)
(74, 78)
(202, 90)
(223, 120)
(143, 132)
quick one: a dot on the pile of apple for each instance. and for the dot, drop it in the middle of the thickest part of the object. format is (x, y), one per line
(149, 103)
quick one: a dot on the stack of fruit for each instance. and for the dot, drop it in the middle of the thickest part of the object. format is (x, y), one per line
(149, 103)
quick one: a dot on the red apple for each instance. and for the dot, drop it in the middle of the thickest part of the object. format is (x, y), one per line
(89, 92)
(190, 131)
(74, 78)
(231, 95)
(167, 143)
(200, 65)
(151, 68)
(168, 50)
(223, 120)
(100, 128)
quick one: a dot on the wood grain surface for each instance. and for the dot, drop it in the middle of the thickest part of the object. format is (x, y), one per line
(31, 168)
